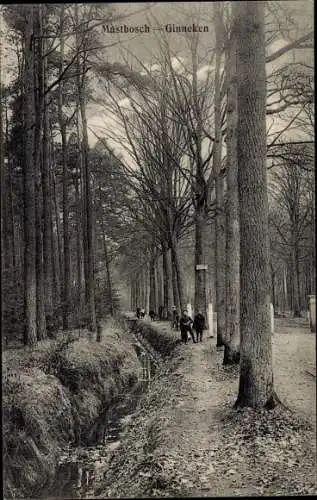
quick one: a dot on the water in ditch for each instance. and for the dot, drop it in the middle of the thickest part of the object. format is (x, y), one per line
(82, 467)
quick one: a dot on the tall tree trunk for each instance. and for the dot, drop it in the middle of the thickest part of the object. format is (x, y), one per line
(132, 288)
(47, 208)
(167, 278)
(153, 286)
(285, 289)
(273, 287)
(256, 372)
(66, 238)
(5, 213)
(200, 274)
(220, 243)
(296, 280)
(29, 172)
(147, 296)
(38, 157)
(160, 290)
(158, 287)
(55, 212)
(8, 219)
(79, 242)
(200, 302)
(59, 256)
(2, 200)
(232, 337)
(179, 273)
(89, 218)
(88, 226)
(40, 291)
(175, 287)
(109, 281)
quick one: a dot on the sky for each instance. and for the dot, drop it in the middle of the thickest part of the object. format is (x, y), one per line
(142, 49)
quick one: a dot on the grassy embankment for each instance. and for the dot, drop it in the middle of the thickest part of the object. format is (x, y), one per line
(52, 395)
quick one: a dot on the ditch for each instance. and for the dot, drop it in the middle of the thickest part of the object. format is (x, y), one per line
(81, 467)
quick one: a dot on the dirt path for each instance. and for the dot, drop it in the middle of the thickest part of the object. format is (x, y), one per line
(187, 441)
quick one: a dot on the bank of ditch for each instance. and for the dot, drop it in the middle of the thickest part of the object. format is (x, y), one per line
(52, 396)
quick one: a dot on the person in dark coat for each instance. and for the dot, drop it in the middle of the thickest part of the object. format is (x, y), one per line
(185, 324)
(152, 315)
(199, 325)
(142, 313)
(138, 312)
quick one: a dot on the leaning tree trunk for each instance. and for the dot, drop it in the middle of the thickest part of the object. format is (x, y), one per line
(256, 373)
(232, 337)
(29, 172)
(220, 243)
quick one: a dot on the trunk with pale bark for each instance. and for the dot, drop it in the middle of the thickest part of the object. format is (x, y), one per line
(256, 373)
(29, 173)
(232, 337)
(220, 243)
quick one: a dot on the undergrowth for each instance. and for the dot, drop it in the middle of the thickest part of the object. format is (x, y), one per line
(52, 395)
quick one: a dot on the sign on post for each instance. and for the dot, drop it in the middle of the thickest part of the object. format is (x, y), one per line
(201, 267)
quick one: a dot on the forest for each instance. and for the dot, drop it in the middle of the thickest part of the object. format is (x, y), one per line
(158, 169)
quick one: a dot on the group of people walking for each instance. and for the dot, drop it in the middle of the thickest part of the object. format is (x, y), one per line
(184, 323)
(187, 325)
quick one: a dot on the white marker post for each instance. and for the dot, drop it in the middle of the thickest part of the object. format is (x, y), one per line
(210, 320)
(189, 310)
(272, 318)
(312, 312)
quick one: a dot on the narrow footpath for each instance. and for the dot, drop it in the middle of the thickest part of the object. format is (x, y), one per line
(185, 439)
